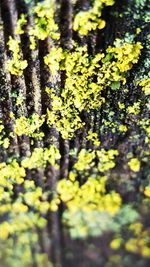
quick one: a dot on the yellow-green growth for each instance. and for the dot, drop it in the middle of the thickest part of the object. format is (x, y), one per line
(145, 84)
(41, 156)
(85, 160)
(16, 65)
(44, 22)
(135, 109)
(86, 21)
(122, 57)
(11, 174)
(123, 128)
(94, 198)
(20, 24)
(106, 159)
(53, 59)
(29, 126)
(93, 137)
(4, 141)
(134, 164)
(138, 242)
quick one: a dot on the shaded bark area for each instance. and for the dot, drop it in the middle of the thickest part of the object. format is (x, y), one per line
(62, 250)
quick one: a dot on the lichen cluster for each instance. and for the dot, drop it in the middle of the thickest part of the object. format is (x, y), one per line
(94, 102)
(90, 20)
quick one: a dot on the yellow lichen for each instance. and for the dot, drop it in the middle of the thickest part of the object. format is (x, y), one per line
(135, 109)
(147, 191)
(20, 24)
(44, 23)
(123, 128)
(29, 126)
(134, 164)
(86, 78)
(106, 159)
(86, 21)
(16, 65)
(93, 137)
(41, 156)
(145, 84)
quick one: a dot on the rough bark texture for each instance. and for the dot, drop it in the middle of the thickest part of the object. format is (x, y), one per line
(55, 240)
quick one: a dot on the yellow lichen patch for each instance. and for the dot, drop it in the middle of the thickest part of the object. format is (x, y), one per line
(53, 59)
(93, 137)
(41, 156)
(135, 109)
(4, 230)
(29, 126)
(11, 174)
(19, 207)
(121, 105)
(44, 23)
(147, 191)
(94, 198)
(86, 78)
(85, 160)
(116, 243)
(145, 84)
(139, 243)
(20, 24)
(126, 55)
(91, 194)
(138, 30)
(106, 159)
(134, 164)
(16, 65)
(136, 228)
(86, 21)
(123, 128)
